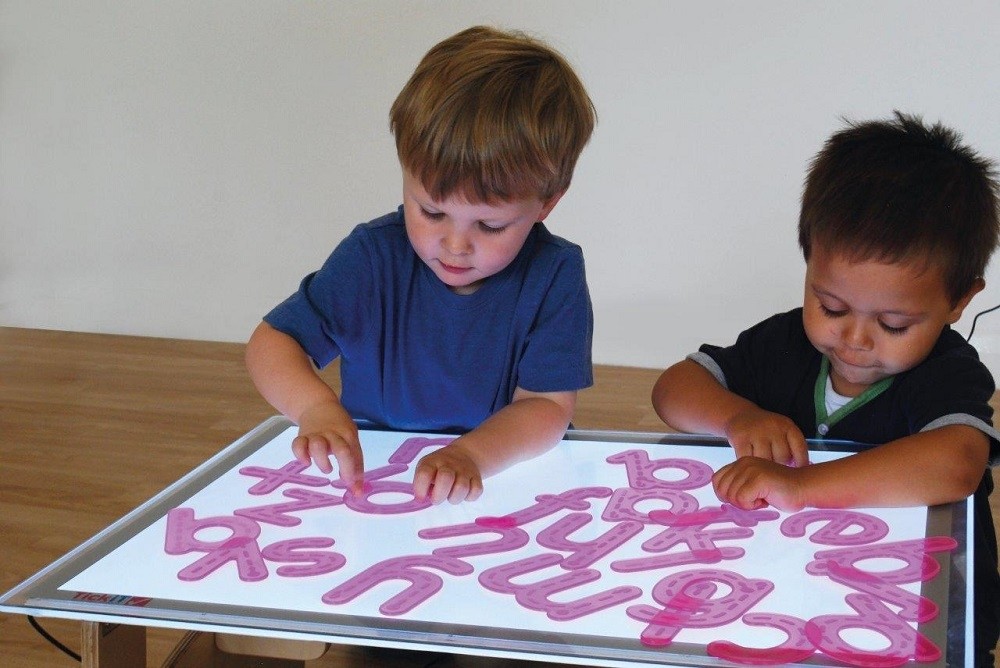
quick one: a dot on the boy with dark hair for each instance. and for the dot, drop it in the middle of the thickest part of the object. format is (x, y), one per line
(898, 222)
(458, 311)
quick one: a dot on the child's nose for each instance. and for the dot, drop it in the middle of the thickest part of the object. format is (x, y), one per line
(456, 242)
(856, 335)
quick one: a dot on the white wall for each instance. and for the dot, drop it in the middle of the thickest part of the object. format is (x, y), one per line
(173, 168)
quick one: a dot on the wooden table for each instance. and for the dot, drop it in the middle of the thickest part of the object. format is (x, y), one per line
(93, 425)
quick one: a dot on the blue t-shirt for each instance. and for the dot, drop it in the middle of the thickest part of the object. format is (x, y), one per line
(415, 355)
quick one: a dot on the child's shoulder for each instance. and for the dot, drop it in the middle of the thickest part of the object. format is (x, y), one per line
(547, 262)
(387, 233)
(951, 355)
(785, 325)
(951, 377)
(391, 223)
(543, 242)
(547, 259)
(950, 381)
(777, 337)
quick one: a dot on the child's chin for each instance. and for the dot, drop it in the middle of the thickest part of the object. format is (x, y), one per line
(462, 287)
(856, 380)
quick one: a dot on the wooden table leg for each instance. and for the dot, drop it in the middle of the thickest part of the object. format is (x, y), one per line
(113, 646)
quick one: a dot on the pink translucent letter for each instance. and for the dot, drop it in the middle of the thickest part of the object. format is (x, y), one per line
(423, 584)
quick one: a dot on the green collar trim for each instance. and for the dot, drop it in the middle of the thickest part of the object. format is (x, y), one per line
(825, 422)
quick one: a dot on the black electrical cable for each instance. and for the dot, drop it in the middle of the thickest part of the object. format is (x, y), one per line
(45, 634)
(973, 328)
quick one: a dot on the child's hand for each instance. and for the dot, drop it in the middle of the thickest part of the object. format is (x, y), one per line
(758, 433)
(326, 429)
(751, 483)
(448, 473)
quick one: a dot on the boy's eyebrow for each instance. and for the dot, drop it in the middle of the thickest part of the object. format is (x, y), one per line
(826, 293)
(904, 314)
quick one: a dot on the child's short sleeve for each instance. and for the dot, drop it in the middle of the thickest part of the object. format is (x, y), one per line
(558, 321)
(332, 305)
(770, 364)
(951, 387)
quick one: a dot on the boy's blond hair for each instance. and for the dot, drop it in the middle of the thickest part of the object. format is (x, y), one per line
(492, 116)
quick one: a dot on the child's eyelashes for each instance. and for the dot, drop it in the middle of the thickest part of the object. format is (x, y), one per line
(830, 313)
(491, 230)
(482, 225)
(888, 329)
(895, 331)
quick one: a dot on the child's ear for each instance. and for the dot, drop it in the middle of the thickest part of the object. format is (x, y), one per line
(956, 312)
(550, 204)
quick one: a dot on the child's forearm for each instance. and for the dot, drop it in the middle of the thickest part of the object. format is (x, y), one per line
(689, 398)
(938, 466)
(530, 425)
(284, 374)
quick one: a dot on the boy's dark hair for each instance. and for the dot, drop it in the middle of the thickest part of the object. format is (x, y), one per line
(492, 115)
(896, 190)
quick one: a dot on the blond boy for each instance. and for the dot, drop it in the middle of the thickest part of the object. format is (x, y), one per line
(459, 311)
